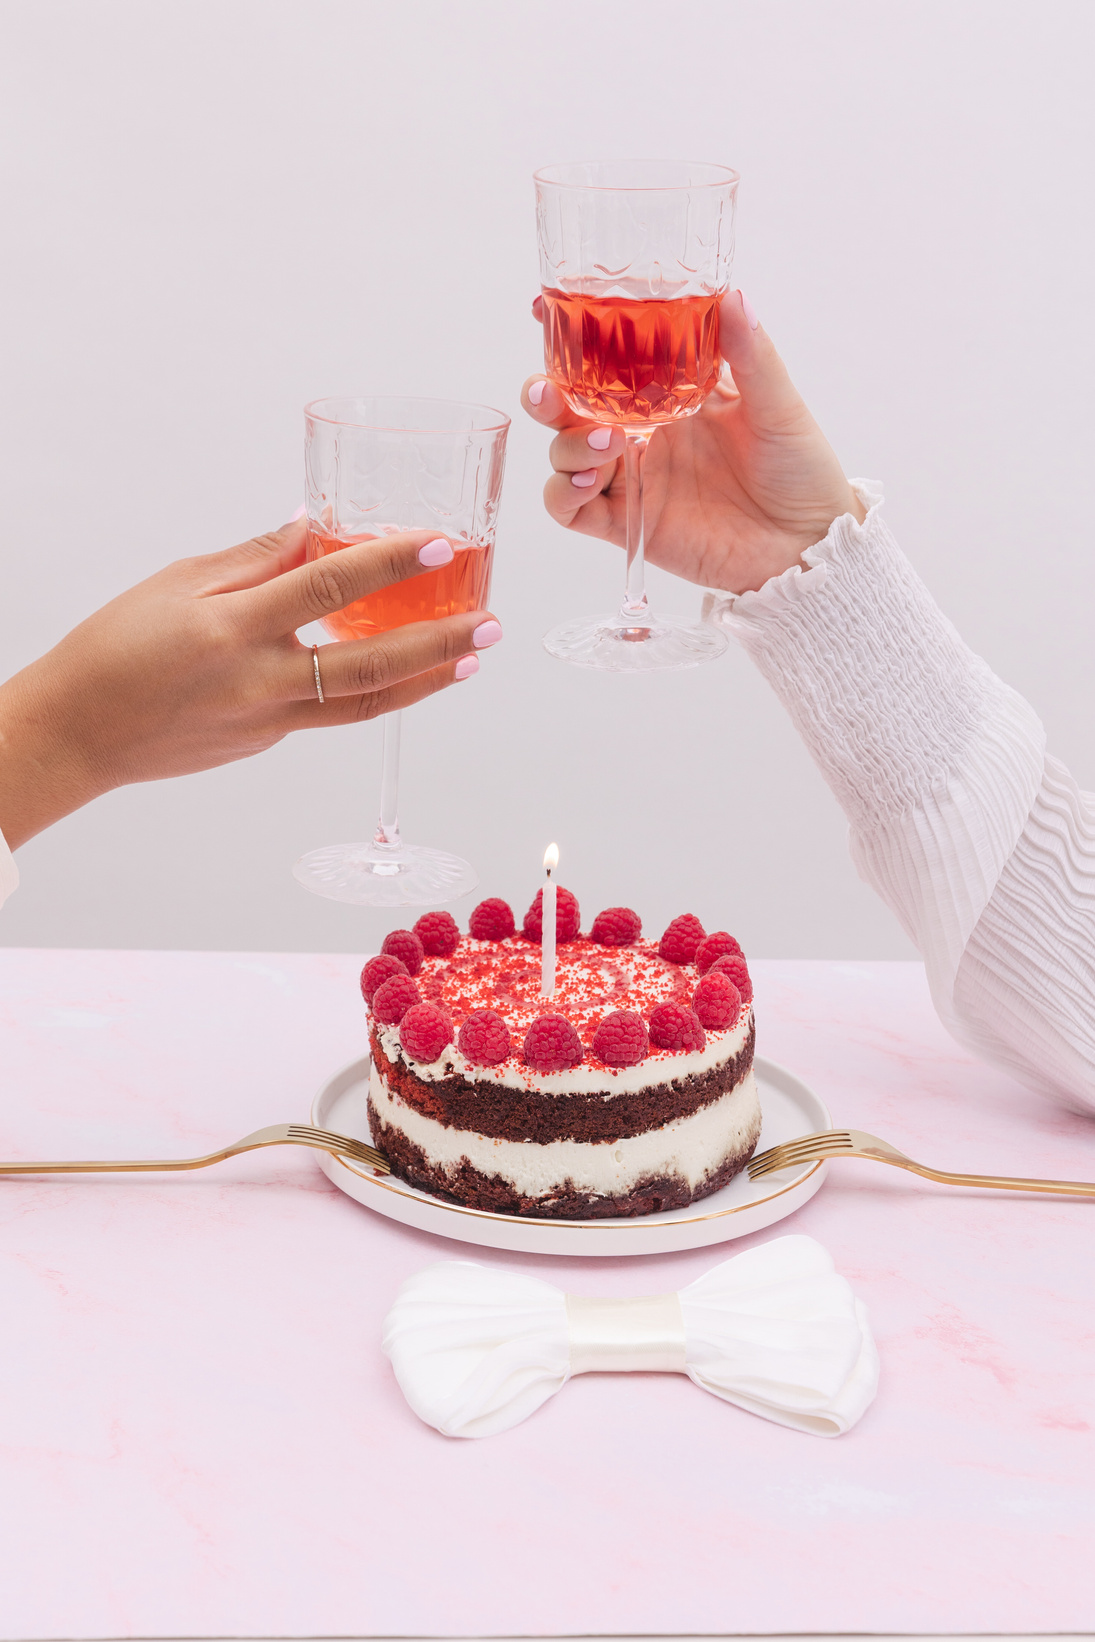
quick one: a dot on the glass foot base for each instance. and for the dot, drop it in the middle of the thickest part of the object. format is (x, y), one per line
(371, 875)
(667, 642)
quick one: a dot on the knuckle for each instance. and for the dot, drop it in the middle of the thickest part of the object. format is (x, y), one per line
(373, 705)
(554, 497)
(390, 560)
(453, 639)
(372, 668)
(557, 455)
(260, 547)
(197, 570)
(330, 584)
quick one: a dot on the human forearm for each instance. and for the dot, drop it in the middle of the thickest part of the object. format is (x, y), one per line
(200, 665)
(45, 772)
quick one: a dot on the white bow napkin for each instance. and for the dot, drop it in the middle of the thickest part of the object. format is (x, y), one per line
(776, 1330)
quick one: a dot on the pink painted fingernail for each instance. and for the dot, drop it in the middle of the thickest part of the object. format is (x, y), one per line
(599, 439)
(536, 392)
(749, 311)
(299, 514)
(584, 480)
(466, 666)
(487, 633)
(435, 553)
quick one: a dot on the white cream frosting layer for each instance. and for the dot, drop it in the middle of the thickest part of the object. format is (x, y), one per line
(585, 1079)
(690, 1148)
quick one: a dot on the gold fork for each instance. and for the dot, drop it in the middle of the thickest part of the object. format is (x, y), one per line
(278, 1134)
(855, 1143)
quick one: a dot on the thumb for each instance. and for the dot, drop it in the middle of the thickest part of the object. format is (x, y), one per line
(760, 375)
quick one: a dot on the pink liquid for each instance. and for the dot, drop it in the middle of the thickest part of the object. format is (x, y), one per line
(464, 584)
(622, 359)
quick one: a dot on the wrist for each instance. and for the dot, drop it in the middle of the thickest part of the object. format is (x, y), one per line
(44, 773)
(856, 507)
(784, 551)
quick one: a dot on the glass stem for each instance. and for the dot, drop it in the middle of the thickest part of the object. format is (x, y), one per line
(635, 612)
(387, 828)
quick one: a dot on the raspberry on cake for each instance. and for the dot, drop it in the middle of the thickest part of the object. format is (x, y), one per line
(551, 1044)
(712, 947)
(393, 998)
(617, 926)
(676, 1026)
(716, 1001)
(484, 1038)
(735, 969)
(404, 944)
(492, 920)
(439, 933)
(567, 917)
(629, 1091)
(424, 1031)
(377, 971)
(622, 1039)
(680, 942)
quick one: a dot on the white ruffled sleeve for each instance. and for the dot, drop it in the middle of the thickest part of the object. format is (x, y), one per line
(9, 872)
(982, 847)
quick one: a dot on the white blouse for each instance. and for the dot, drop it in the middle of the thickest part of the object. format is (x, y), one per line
(981, 843)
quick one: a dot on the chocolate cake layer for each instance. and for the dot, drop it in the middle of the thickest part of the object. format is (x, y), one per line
(476, 1190)
(502, 1112)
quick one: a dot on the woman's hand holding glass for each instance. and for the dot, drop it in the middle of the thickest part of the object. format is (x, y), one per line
(734, 494)
(200, 665)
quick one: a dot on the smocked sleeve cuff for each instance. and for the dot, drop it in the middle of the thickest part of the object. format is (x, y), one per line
(890, 701)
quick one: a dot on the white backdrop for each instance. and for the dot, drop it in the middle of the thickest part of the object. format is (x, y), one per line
(216, 211)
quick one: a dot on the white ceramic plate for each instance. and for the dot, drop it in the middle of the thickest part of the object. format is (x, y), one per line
(744, 1206)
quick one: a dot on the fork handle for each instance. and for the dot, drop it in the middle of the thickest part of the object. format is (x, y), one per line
(107, 1167)
(1006, 1183)
(273, 1136)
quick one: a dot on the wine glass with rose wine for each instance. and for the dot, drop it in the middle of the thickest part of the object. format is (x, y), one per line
(374, 466)
(634, 261)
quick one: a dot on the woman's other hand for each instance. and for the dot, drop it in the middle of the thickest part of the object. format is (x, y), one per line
(734, 494)
(200, 664)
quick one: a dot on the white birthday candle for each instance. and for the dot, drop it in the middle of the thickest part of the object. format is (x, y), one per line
(547, 938)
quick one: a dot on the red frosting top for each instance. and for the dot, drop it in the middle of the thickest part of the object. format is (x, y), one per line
(593, 979)
(589, 982)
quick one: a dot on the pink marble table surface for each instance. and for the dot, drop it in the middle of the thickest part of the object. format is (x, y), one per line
(199, 1435)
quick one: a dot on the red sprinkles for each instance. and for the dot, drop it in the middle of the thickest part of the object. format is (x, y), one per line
(481, 992)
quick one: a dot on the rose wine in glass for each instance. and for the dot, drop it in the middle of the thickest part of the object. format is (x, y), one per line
(629, 359)
(373, 467)
(449, 590)
(634, 261)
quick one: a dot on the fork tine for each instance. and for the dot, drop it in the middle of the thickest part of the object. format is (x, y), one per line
(342, 1145)
(324, 1137)
(307, 1131)
(838, 1138)
(756, 1171)
(805, 1149)
(783, 1156)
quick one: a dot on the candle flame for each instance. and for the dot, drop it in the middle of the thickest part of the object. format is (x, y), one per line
(551, 858)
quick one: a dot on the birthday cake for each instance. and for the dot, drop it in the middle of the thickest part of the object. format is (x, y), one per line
(629, 1090)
